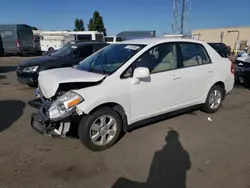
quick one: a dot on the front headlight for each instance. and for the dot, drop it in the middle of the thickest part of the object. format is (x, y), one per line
(64, 105)
(30, 69)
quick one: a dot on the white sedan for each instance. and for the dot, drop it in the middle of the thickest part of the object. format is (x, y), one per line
(131, 81)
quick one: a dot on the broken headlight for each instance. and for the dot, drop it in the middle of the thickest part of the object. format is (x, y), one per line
(64, 106)
(30, 69)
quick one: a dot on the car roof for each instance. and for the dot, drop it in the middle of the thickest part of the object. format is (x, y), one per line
(147, 41)
(83, 43)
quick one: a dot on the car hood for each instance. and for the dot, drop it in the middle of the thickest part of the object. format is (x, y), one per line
(50, 80)
(38, 61)
(244, 59)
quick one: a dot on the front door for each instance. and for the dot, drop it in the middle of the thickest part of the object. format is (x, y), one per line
(160, 93)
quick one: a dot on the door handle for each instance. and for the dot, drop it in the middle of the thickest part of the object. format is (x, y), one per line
(209, 71)
(174, 77)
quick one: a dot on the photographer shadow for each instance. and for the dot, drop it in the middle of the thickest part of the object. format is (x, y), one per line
(168, 168)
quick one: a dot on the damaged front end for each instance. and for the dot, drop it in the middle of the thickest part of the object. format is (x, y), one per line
(54, 115)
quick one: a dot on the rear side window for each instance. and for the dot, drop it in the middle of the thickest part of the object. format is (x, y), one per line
(83, 37)
(220, 48)
(193, 54)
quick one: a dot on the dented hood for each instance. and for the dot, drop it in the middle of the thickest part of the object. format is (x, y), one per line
(49, 80)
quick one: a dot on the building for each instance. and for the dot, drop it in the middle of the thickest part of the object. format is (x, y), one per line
(237, 38)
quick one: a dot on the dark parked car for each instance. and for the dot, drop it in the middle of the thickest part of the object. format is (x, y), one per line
(67, 56)
(242, 71)
(221, 48)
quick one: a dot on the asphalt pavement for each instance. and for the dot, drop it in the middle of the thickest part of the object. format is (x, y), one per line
(193, 150)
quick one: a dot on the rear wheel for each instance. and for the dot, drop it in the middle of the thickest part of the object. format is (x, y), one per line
(100, 130)
(214, 99)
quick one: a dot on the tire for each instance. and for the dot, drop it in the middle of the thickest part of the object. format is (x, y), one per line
(236, 81)
(32, 85)
(207, 105)
(85, 131)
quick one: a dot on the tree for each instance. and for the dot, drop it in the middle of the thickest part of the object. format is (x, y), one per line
(96, 23)
(91, 26)
(79, 25)
(34, 28)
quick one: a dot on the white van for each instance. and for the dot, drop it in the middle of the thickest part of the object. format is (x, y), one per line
(112, 39)
(87, 35)
(57, 39)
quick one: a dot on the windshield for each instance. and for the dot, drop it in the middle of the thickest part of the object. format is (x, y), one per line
(109, 59)
(65, 50)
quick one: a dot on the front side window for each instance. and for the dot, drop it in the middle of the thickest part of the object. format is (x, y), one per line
(109, 59)
(193, 54)
(160, 58)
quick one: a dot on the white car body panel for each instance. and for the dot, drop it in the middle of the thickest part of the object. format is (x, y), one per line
(181, 88)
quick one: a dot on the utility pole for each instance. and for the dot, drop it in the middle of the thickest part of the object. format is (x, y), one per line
(180, 10)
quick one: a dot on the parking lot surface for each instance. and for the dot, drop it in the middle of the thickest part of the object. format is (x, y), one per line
(193, 150)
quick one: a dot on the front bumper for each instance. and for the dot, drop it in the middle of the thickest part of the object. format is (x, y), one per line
(41, 123)
(243, 75)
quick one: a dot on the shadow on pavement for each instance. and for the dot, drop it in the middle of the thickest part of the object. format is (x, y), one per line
(168, 168)
(10, 111)
(157, 119)
(5, 69)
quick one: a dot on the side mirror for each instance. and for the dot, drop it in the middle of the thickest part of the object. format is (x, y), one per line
(141, 73)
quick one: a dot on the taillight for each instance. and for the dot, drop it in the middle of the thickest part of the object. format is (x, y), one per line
(232, 68)
(18, 44)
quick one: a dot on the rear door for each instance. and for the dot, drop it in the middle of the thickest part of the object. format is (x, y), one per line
(196, 72)
(25, 38)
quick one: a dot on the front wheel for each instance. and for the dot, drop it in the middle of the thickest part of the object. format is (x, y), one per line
(100, 130)
(214, 99)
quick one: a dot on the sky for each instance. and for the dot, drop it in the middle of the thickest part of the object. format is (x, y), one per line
(124, 14)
